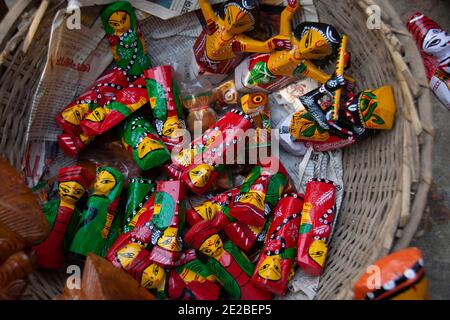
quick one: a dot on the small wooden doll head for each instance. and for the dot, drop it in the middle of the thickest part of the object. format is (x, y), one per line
(108, 183)
(73, 182)
(255, 104)
(205, 238)
(199, 176)
(316, 40)
(270, 268)
(153, 277)
(430, 37)
(118, 18)
(75, 114)
(170, 127)
(169, 240)
(241, 15)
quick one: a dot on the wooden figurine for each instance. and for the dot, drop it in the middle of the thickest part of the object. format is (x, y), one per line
(400, 276)
(198, 165)
(359, 116)
(73, 141)
(276, 263)
(316, 226)
(193, 281)
(311, 41)
(121, 105)
(434, 46)
(164, 97)
(127, 43)
(259, 193)
(141, 140)
(229, 265)
(95, 221)
(200, 111)
(102, 281)
(72, 185)
(217, 210)
(139, 192)
(219, 47)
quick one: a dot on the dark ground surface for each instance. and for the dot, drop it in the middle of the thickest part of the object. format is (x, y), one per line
(433, 236)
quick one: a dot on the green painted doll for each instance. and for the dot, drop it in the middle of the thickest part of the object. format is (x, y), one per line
(95, 222)
(127, 43)
(143, 143)
(139, 192)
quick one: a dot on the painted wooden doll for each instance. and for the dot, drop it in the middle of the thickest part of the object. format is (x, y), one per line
(198, 166)
(193, 281)
(398, 276)
(316, 225)
(311, 41)
(217, 210)
(127, 43)
(360, 116)
(219, 47)
(259, 193)
(434, 46)
(141, 140)
(139, 192)
(275, 266)
(121, 105)
(165, 103)
(72, 141)
(73, 183)
(229, 264)
(95, 221)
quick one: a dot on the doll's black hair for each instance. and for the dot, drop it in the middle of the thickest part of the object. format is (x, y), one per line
(329, 32)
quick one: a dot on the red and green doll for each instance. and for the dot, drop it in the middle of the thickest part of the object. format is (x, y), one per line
(166, 106)
(95, 222)
(227, 262)
(63, 216)
(275, 266)
(143, 143)
(127, 43)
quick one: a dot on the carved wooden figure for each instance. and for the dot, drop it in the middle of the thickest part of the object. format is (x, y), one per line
(229, 264)
(219, 47)
(72, 185)
(96, 220)
(276, 263)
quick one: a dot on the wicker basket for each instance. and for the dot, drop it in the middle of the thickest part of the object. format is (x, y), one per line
(386, 178)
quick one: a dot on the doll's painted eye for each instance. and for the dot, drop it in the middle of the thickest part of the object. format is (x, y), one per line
(435, 42)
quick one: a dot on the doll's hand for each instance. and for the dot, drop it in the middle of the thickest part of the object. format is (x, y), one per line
(336, 82)
(236, 46)
(281, 43)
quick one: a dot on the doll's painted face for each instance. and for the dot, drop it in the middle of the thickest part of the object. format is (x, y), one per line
(75, 114)
(127, 254)
(189, 276)
(437, 43)
(313, 45)
(148, 145)
(120, 22)
(70, 191)
(97, 115)
(238, 20)
(153, 276)
(254, 103)
(104, 183)
(318, 252)
(199, 175)
(213, 246)
(207, 210)
(255, 198)
(171, 126)
(271, 268)
(169, 240)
